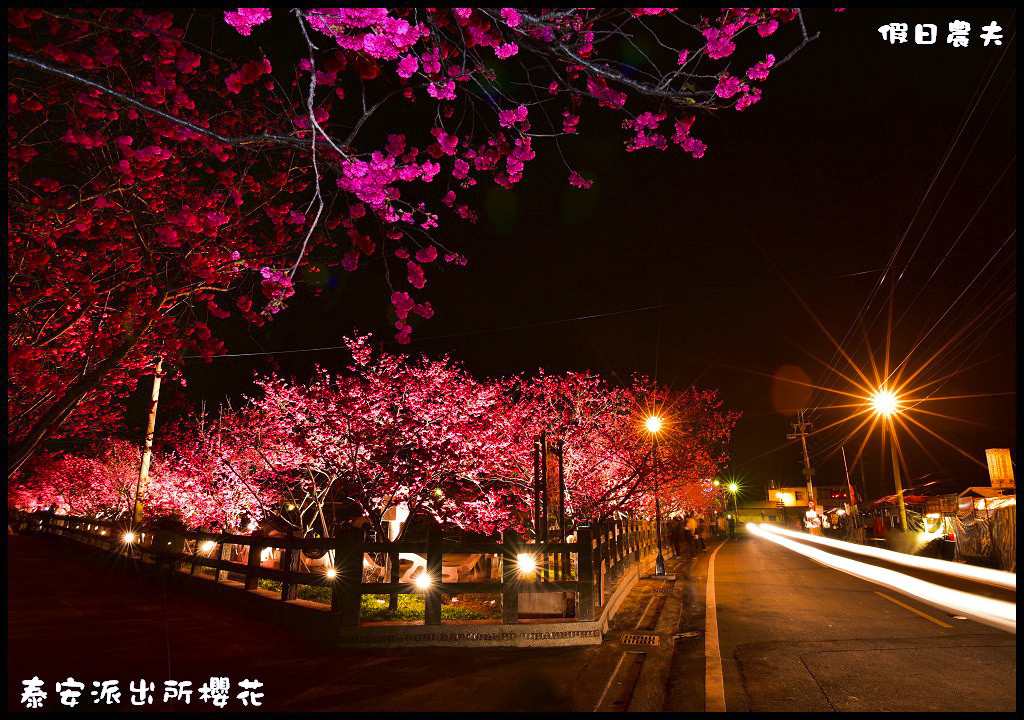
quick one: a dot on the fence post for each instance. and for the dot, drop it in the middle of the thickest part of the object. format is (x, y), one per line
(195, 553)
(252, 580)
(393, 576)
(509, 578)
(585, 573)
(635, 542)
(222, 551)
(432, 597)
(290, 563)
(609, 549)
(600, 550)
(617, 529)
(348, 564)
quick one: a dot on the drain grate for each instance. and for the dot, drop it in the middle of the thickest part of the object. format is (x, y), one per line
(632, 639)
(665, 591)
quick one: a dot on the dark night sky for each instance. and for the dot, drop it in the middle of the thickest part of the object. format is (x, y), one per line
(813, 187)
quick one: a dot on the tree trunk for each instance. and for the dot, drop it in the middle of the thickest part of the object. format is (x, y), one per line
(72, 397)
(147, 447)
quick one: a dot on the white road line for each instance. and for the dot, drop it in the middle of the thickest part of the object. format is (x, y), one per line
(714, 683)
(611, 678)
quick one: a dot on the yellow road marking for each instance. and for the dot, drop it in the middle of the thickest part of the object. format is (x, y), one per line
(914, 610)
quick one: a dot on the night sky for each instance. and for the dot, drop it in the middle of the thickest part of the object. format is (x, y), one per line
(795, 209)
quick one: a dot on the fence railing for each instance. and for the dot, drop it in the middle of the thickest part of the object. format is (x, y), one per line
(587, 567)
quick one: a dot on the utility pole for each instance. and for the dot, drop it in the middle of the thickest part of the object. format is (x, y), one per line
(147, 447)
(897, 478)
(800, 432)
(849, 485)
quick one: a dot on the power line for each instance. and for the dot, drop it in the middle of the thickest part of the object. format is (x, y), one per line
(442, 337)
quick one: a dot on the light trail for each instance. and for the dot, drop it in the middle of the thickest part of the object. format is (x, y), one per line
(995, 613)
(968, 572)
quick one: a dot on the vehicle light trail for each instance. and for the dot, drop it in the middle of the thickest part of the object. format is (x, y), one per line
(968, 572)
(996, 613)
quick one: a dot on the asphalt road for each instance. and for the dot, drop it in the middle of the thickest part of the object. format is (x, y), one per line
(792, 635)
(795, 635)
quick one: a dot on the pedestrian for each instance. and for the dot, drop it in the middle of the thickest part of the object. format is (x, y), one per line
(702, 531)
(674, 533)
(721, 526)
(732, 528)
(691, 530)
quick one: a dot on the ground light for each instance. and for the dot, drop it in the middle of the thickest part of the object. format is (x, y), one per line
(331, 573)
(527, 563)
(423, 581)
(128, 537)
(208, 546)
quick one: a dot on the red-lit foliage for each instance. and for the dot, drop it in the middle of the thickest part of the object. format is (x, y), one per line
(155, 182)
(421, 434)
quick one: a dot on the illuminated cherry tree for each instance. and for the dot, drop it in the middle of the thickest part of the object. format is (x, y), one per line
(97, 484)
(609, 464)
(161, 179)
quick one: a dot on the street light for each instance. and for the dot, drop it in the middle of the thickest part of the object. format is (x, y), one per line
(886, 404)
(734, 488)
(653, 424)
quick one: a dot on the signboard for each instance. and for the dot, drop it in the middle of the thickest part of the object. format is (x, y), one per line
(1000, 467)
(944, 505)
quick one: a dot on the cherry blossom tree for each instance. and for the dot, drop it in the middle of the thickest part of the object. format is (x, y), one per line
(394, 431)
(156, 183)
(609, 464)
(100, 483)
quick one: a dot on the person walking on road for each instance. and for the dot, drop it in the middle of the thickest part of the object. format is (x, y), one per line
(721, 526)
(702, 531)
(732, 528)
(674, 531)
(691, 531)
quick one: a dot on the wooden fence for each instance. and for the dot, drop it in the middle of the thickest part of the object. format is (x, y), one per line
(587, 567)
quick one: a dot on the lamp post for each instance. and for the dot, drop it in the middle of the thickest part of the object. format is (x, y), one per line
(886, 405)
(653, 427)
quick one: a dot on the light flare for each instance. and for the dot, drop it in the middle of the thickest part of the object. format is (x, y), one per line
(995, 613)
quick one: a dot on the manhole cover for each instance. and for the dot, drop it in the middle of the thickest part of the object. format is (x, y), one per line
(685, 635)
(639, 639)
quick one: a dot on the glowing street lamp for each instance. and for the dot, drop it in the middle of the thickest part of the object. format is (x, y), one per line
(886, 404)
(654, 424)
(734, 488)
